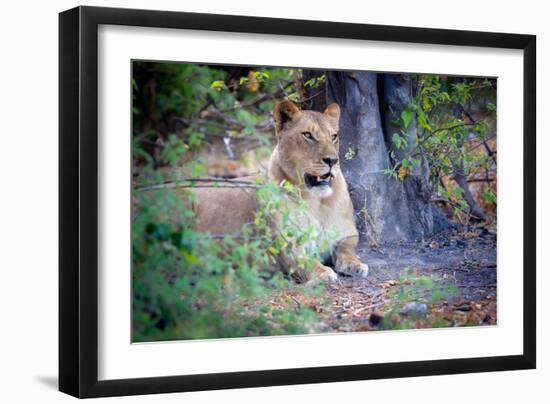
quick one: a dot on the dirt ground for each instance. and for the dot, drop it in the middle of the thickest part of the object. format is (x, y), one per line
(462, 263)
(446, 281)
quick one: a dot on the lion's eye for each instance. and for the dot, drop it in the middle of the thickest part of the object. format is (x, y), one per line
(308, 135)
(335, 138)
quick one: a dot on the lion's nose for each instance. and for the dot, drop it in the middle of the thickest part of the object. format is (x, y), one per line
(330, 160)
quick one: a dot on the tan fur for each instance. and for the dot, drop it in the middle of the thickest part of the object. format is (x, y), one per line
(306, 140)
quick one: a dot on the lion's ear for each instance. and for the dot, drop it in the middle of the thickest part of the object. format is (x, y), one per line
(285, 112)
(333, 111)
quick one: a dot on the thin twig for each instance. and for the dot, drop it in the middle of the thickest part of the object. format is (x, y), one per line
(261, 99)
(190, 183)
(371, 306)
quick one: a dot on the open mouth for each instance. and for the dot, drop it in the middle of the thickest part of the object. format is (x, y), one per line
(318, 180)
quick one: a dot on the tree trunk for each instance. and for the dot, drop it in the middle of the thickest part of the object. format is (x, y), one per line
(426, 219)
(387, 209)
(460, 178)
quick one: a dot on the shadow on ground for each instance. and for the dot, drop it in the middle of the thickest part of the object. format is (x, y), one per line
(48, 381)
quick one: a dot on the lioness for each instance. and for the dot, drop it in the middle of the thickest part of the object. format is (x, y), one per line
(306, 155)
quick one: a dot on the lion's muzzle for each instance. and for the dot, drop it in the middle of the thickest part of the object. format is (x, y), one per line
(312, 181)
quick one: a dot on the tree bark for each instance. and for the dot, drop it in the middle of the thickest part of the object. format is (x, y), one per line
(425, 218)
(387, 210)
(475, 211)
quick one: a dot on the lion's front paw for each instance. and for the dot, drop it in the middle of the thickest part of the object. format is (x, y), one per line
(322, 273)
(319, 274)
(353, 267)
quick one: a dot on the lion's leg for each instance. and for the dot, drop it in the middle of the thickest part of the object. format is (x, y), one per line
(319, 273)
(346, 260)
(288, 263)
(323, 273)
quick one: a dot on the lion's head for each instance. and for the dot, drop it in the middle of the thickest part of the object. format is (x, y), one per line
(307, 146)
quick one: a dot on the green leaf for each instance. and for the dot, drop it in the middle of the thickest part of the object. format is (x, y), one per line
(407, 116)
(293, 97)
(396, 139)
(217, 84)
(350, 154)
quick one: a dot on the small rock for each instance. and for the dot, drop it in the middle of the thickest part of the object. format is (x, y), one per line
(414, 309)
(375, 319)
(487, 319)
(464, 307)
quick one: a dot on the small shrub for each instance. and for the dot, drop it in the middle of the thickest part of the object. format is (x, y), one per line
(189, 285)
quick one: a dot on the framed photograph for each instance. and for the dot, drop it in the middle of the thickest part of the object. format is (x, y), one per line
(252, 201)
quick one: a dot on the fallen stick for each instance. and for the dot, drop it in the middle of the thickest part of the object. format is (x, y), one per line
(372, 306)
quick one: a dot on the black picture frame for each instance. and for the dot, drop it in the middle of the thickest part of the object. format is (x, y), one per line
(78, 201)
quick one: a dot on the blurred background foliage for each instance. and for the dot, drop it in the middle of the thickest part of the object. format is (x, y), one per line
(192, 123)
